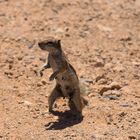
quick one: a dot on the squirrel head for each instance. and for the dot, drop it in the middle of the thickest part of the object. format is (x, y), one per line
(51, 44)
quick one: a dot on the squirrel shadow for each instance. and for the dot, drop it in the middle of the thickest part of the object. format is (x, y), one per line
(66, 119)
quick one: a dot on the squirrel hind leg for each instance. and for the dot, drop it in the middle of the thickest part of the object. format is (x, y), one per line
(56, 93)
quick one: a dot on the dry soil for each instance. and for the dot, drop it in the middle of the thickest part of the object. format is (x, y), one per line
(102, 41)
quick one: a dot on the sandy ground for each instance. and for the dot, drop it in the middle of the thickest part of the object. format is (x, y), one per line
(102, 41)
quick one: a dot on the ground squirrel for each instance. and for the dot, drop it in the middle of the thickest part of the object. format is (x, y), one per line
(67, 82)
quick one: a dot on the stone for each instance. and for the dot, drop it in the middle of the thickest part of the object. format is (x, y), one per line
(115, 85)
(119, 68)
(99, 63)
(39, 84)
(99, 77)
(104, 89)
(108, 66)
(43, 81)
(102, 81)
(104, 28)
(20, 57)
(132, 137)
(27, 103)
(111, 91)
(112, 95)
(136, 63)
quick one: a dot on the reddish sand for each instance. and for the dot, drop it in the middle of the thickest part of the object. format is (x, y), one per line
(102, 41)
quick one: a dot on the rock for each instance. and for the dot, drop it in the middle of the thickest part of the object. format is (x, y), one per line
(32, 57)
(15, 86)
(2, 14)
(3, 0)
(112, 86)
(99, 63)
(126, 105)
(10, 60)
(97, 136)
(86, 80)
(108, 66)
(46, 114)
(31, 44)
(52, 139)
(109, 119)
(104, 28)
(39, 84)
(104, 89)
(116, 92)
(122, 114)
(136, 63)
(20, 58)
(43, 81)
(112, 95)
(125, 38)
(115, 85)
(102, 81)
(67, 35)
(27, 42)
(35, 116)
(132, 137)
(93, 137)
(136, 75)
(7, 72)
(42, 59)
(119, 68)
(10, 66)
(27, 103)
(99, 77)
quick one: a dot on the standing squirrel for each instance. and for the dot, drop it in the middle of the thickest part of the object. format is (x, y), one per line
(67, 82)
